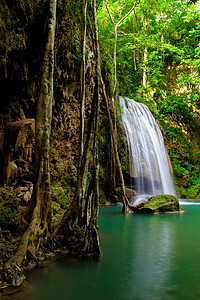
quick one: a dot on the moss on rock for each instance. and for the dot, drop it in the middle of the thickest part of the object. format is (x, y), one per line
(160, 204)
(10, 215)
(6, 245)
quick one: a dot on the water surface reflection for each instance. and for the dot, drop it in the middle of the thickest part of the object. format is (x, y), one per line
(145, 257)
(151, 258)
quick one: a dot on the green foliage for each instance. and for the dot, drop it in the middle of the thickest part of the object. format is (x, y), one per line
(181, 169)
(102, 139)
(194, 192)
(193, 188)
(170, 32)
(171, 36)
(10, 216)
(61, 194)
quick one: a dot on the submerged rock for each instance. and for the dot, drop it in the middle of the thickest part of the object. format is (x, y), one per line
(160, 204)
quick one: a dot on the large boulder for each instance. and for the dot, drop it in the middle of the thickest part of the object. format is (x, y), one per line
(160, 204)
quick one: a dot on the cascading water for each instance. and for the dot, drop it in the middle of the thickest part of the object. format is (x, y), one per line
(148, 161)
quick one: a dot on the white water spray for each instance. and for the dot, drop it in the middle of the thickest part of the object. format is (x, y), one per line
(148, 160)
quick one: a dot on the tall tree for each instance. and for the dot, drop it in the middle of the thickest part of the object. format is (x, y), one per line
(113, 160)
(39, 212)
(83, 70)
(115, 27)
(82, 114)
(91, 241)
(85, 206)
(126, 204)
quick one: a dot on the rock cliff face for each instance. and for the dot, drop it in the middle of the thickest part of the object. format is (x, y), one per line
(22, 35)
(18, 150)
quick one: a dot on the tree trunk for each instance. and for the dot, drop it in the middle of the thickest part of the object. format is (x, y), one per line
(115, 26)
(91, 242)
(82, 115)
(82, 120)
(73, 210)
(126, 204)
(40, 220)
(144, 79)
(114, 133)
(86, 208)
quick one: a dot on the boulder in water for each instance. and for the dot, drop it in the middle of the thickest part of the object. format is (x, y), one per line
(160, 204)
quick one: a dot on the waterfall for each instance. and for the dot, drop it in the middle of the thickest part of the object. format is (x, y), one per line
(148, 160)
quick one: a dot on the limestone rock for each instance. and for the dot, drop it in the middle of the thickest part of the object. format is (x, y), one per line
(24, 192)
(117, 196)
(130, 193)
(18, 149)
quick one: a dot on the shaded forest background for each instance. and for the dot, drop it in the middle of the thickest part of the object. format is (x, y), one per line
(158, 64)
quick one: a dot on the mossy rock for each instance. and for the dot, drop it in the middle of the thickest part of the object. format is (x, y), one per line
(160, 204)
(10, 215)
(6, 247)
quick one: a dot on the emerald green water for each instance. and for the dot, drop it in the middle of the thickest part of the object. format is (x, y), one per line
(144, 257)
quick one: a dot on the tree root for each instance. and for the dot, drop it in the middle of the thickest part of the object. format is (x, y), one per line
(91, 242)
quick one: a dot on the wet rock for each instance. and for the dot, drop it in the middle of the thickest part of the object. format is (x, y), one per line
(130, 193)
(31, 265)
(13, 275)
